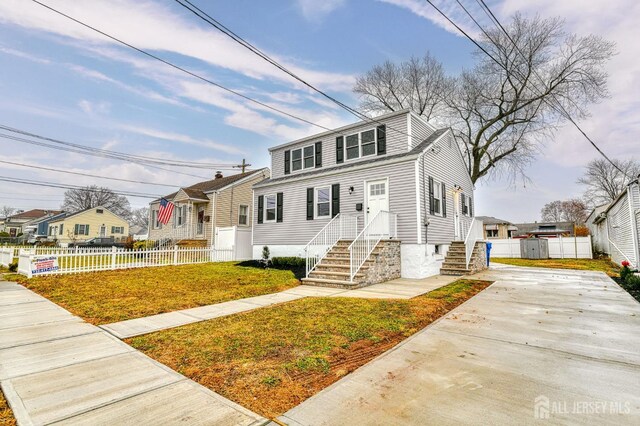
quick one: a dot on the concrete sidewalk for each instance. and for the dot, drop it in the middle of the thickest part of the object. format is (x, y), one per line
(396, 289)
(537, 343)
(54, 367)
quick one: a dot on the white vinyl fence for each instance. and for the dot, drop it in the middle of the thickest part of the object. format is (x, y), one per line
(559, 248)
(65, 261)
(6, 256)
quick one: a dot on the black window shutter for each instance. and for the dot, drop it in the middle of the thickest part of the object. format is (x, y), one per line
(318, 154)
(309, 203)
(260, 208)
(470, 206)
(340, 149)
(382, 139)
(444, 201)
(335, 199)
(464, 204)
(86, 230)
(287, 162)
(279, 207)
(431, 207)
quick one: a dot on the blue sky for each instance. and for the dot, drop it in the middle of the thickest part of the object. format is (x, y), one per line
(61, 80)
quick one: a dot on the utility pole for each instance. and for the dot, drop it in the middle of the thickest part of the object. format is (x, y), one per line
(243, 166)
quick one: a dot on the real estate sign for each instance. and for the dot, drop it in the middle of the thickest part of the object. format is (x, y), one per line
(43, 264)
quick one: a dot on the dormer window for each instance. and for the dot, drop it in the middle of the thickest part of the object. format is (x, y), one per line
(361, 144)
(296, 159)
(303, 158)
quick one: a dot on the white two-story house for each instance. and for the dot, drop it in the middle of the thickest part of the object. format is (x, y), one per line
(394, 188)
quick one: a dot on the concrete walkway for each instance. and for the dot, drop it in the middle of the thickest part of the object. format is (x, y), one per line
(55, 368)
(538, 342)
(396, 289)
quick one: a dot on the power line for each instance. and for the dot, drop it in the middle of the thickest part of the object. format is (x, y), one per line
(18, 139)
(68, 186)
(164, 61)
(86, 174)
(116, 154)
(563, 111)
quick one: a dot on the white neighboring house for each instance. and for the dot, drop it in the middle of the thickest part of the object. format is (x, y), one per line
(615, 227)
(399, 172)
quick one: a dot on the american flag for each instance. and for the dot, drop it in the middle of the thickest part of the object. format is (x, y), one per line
(165, 211)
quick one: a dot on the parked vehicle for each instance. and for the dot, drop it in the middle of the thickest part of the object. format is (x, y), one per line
(98, 242)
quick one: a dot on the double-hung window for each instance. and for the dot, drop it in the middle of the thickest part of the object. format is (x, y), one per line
(117, 229)
(361, 144)
(243, 214)
(353, 146)
(154, 219)
(303, 158)
(368, 142)
(270, 210)
(296, 159)
(180, 215)
(437, 198)
(323, 202)
(81, 229)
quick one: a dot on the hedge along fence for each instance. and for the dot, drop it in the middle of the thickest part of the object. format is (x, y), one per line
(559, 248)
(64, 262)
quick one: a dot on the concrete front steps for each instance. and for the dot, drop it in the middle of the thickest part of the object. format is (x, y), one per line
(335, 268)
(455, 260)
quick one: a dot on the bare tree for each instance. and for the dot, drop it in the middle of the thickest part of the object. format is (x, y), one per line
(503, 111)
(140, 217)
(6, 211)
(418, 84)
(552, 212)
(94, 196)
(573, 210)
(604, 182)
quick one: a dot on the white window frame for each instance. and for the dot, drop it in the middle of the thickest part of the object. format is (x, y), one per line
(275, 207)
(155, 222)
(180, 213)
(437, 195)
(303, 158)
(316, 202)
(82, 229)
(240, 206)
(360, 148)
(117, 230)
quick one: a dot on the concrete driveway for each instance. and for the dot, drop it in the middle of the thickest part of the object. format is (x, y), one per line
(538, 346)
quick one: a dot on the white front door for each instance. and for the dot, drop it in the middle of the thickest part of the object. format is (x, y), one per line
(456, 216)
(103, 231)
(377, 198)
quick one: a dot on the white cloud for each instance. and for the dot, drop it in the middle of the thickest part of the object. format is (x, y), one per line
(176, 137)
(314, 10)
(91, 108)
(24, 55)
(154, 26)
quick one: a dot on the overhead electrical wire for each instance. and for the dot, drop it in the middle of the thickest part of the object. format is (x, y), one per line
(87, 174)
(563, 111)
(179, 68)
(68, 186)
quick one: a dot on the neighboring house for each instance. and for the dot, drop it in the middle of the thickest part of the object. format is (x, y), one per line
(544, 229)
(139, 233)
(202, 208)
(497, 228)
(617, 226)
(400, 164)
(598, 229)
(16, 224)
(95, 222)
(39, 229)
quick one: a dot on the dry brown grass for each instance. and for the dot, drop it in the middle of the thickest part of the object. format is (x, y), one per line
(111, 296)
(271, 359)
(6, 415)
(604, 265)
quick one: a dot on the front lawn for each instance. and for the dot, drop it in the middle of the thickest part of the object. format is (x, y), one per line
(604, 265)
(6, 415)
(271, 359)
(112, 296)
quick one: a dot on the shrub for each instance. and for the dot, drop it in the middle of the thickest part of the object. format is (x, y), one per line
(13, 267)
(143, 245)
(288, 262)
(633, 281)
(625, 271)
(4, 234)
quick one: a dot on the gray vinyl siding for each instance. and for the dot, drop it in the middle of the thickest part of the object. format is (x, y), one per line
(419, 131)
(446, 166)
(397, 142)
(295, 229)
(621, 231)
